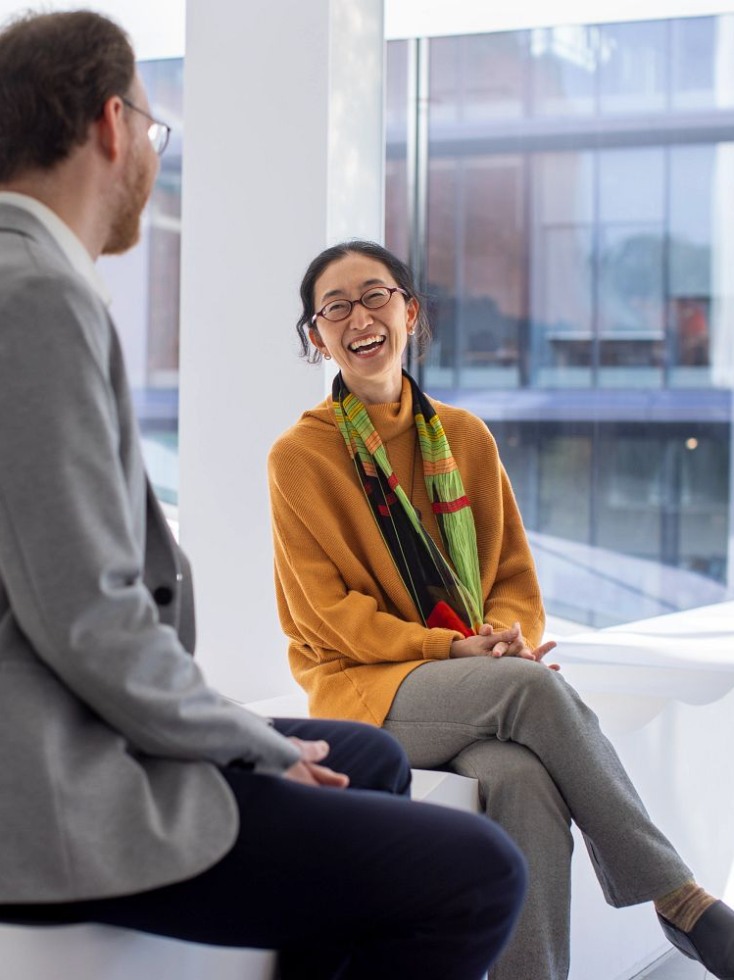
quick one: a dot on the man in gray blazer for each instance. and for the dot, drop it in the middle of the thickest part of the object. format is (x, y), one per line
(131, 792)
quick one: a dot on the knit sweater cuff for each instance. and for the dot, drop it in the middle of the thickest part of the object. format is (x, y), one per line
(437, 644)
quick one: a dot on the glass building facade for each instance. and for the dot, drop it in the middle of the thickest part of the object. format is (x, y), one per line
(145, 286)
(566, 196)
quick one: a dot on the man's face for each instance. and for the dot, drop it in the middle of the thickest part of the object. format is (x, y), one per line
(139, 173)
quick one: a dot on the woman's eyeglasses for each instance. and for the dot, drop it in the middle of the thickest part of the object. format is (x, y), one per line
(372, 299)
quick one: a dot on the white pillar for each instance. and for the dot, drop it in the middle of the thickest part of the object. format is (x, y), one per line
(283, 154)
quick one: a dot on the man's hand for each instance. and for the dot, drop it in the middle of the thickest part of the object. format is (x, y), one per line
(307, 770)
(503, 643)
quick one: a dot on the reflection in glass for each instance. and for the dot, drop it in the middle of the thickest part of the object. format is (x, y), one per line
(580, 256)
(700, 62)
(563, 270)
(477, 270)
(564, 69)
(396, 173)
(479, 77)
(692, 201)
(145, 288)
(633, 67)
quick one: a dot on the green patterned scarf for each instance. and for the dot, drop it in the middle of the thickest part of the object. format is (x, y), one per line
(444, 596)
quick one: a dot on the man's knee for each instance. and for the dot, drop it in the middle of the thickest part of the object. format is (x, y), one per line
(394, 768)
(499, 866)
(372, 758)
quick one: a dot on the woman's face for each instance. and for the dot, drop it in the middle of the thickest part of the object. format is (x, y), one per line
(367, 345)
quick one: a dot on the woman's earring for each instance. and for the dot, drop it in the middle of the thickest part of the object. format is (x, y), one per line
(327, 356)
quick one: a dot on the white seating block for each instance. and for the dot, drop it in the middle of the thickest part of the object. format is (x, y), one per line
(94, 952)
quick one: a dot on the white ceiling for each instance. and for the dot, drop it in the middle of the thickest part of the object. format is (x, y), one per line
(158, 28)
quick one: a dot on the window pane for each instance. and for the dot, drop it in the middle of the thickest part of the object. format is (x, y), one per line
(396, 174)
(564, 70)
(630, 491)
(630, 279)
(478, 77)
(702, 53)
(476, 270)
(565, 484)
(587, 225)
(562, 270)
(704, 492)
(633, 63)
(692, 204)
(145, 288)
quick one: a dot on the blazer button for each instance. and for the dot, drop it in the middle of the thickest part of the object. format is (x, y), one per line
(163, 595)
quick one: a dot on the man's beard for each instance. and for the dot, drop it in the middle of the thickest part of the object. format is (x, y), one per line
(125, 224)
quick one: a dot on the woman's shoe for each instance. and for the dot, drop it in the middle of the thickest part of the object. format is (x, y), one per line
(710, 941)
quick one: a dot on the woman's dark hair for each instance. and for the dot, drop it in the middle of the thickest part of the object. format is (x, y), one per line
(398, 270)
(57, 71)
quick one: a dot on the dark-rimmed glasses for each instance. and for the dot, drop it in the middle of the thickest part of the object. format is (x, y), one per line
(372, 299)
(158, 132)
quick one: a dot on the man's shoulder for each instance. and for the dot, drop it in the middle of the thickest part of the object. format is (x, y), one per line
(32, 268)
(47, 306)
(28, 255)
(30, 284)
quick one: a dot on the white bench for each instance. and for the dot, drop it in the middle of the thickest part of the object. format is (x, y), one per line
(646, 683)
(664, 692)
(93, 952)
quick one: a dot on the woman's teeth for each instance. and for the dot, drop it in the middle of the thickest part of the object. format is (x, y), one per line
(366, 344)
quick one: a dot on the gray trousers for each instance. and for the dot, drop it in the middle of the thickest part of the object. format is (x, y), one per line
(541, 761)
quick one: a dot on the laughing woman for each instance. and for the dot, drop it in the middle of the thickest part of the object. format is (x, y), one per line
(409, 597)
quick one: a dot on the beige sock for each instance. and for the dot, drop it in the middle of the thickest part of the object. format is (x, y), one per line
(685, 906)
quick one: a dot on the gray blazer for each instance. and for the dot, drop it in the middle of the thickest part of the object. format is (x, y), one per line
(110, 740)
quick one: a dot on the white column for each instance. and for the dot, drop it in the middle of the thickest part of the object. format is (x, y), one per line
(283, 151)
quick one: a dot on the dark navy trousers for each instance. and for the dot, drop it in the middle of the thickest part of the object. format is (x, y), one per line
(350, 884)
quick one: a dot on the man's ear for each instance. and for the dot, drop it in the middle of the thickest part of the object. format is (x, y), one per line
(109, 127)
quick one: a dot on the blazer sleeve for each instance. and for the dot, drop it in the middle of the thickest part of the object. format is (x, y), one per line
(71, 555)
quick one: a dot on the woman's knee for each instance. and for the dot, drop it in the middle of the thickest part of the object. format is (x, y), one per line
(513, 782)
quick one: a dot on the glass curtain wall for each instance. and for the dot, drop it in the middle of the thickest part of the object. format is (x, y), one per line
(144, 284)
(579, 270)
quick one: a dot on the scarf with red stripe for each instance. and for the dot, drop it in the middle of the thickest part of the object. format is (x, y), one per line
(444, 596)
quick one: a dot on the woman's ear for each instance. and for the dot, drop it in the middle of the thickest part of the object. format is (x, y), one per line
(315, 338)
(412, 309)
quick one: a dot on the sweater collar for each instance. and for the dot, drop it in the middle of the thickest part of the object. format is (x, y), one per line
(393, 419)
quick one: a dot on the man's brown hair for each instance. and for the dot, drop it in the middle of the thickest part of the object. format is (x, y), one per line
(56, 73)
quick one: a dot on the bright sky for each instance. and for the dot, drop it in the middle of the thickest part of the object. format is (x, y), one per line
(157, 28)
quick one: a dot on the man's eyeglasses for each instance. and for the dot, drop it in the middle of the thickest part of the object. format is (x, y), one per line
(158, 132)
(372, 299)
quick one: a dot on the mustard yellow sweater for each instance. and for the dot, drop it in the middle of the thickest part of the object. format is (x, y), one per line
(354, 633)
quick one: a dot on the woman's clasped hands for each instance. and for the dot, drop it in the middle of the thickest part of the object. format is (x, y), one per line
(489, 642)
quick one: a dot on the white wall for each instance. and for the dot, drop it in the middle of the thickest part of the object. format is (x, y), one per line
(283, 131)
(431, 18)
(156, 29)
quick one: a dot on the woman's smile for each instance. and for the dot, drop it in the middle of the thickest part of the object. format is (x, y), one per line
(367, 344)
